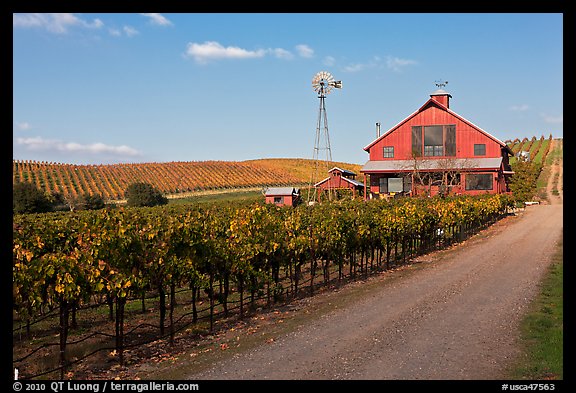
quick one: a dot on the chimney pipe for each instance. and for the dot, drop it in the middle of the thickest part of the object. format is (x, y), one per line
(377, 130)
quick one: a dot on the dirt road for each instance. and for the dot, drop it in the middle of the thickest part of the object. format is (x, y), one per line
(454, 314)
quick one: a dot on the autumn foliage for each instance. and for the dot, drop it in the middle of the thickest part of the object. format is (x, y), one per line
(66, 260)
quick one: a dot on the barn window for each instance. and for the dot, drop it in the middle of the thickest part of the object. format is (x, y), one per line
(450, 140)
(388, 151)
(383, 185)
(278, 199)
(479, 149)
(434, 141)
(393, 184)
(417, 141)
(479, 181)
(407, 183)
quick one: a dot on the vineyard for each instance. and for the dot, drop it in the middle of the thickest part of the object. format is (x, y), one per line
(536, 148)
(527, 163)
(110, 181)
(107, 283)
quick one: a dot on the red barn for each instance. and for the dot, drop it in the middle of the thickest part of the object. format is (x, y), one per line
(338, 179)
(436, 151)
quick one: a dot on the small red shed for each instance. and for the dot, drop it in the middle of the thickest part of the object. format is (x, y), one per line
(436, 151)
(283, 196)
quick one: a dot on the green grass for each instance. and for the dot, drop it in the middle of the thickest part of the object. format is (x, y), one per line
(542, 329)
(241, 196)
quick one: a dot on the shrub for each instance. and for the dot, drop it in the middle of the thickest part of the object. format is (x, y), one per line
(26, 198)
(144, 194)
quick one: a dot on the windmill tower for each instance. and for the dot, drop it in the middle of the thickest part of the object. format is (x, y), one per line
(322, 83)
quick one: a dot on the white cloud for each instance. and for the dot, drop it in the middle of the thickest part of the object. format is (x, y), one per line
(130, 31)
(396, 63)
(23, 126)
(552, 119)
(157, 19)
(282, 53)
(54, 23)
(329, 61)
(114, 32)
(39, 143)
(358, 67)
(304, 50)
(212, 50)
(377, 62)
(519, 108)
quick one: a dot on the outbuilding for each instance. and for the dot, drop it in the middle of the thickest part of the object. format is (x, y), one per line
(283, 196)
(340, 179)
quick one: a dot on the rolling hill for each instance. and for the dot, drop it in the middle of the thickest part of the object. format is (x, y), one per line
(177, 177)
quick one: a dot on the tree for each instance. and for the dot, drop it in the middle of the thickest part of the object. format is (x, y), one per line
(144, 194)
(445, 173)
(26, 198)
(523, 184)
(92, 202)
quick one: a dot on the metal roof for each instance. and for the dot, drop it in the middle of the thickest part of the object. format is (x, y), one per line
(282, 191)
(430, 164)
(440, 92)
(344, 171)
(351, 181)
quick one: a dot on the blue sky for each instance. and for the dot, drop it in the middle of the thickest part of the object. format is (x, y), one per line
(107, 88)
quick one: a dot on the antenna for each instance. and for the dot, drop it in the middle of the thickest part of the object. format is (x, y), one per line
(441, 84)
(322, 83)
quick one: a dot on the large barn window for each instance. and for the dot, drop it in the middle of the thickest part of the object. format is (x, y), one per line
(417, 141)
(479, 182)
(434, 141)
(450, 140)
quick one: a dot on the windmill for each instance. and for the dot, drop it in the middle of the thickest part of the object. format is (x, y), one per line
(322, 83)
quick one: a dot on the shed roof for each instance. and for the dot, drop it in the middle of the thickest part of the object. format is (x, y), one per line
(281, 191)
(351, 181)
(344, 171)
(426, 164)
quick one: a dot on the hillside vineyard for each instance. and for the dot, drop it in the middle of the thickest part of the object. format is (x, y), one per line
(110, 181)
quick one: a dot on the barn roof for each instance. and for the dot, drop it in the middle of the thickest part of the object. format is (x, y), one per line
(344, 171)
(426, 164)
(351, 181)
(281, 191)
(432, 101)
